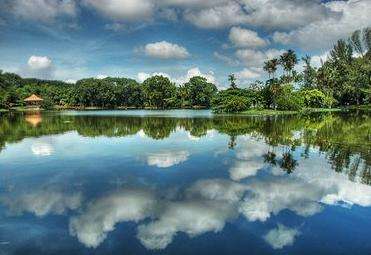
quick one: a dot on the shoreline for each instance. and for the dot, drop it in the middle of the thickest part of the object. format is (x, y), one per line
(252, 112)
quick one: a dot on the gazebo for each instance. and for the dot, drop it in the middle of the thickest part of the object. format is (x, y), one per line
(33, 101)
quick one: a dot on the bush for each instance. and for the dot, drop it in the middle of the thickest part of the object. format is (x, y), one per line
(289, 100)
(315, 98)
(47, 104)
(231, 101)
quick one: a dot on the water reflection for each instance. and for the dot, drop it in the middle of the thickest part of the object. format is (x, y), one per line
(100, 173)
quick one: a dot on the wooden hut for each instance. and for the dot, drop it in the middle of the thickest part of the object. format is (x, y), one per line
(33, 101)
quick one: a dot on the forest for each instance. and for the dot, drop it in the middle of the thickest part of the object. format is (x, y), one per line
(344, 79)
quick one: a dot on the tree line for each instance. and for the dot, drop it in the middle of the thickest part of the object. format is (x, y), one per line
(343, 79)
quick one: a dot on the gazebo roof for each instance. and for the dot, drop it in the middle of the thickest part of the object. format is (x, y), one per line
(33, 98)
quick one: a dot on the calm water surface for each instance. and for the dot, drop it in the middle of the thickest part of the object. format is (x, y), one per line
(184, 182)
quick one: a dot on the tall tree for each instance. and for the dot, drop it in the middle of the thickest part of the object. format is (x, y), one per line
(309, 73)
(232, 79)
(270, 67)
(288, 60)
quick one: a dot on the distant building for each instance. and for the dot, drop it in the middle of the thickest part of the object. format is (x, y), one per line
(33, 101)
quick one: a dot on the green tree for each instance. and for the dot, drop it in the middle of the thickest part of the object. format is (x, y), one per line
(288, 60)
(159, 92)
(232, 80)
(309, 73)
(200, 91)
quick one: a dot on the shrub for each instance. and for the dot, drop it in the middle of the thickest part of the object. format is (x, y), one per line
(292, 102)
(316, 99)
(231, 101)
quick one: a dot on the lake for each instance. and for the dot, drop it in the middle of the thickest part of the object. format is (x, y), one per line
(184, 182)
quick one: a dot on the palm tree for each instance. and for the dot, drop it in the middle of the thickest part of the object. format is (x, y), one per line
(270, 66)
(288, 60)
(232, 80)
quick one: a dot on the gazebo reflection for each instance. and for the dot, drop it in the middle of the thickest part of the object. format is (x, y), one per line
(33, 118)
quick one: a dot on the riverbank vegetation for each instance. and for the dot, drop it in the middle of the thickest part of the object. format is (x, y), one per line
(343, 79)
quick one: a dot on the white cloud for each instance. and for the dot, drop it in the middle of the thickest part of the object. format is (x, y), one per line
(167, 159)
(321, 34)
(215, 17)
(191, 217)
(228, 60)
(38, 67)
(42, 202)
(166, 50)
(256, 58)
(43, 10)
(281, 236)
(141, 77)
(318, 60)
(284, 14)
(116, 27)
(39, 62)
(244, 169)
(249, 73)
(130, 10)
(101, 76)
(70, 81)
(101, 216)
(195, 71)
(193, 3)
(241, 37)
(272, 196)
(217, 189)
(42, 149)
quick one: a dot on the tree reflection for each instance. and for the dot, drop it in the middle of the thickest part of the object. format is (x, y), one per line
(344, 138)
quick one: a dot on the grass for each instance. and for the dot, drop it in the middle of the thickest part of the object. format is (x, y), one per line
(266, 112)
(269, 112)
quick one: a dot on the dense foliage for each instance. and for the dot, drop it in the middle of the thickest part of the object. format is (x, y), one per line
(343, 79)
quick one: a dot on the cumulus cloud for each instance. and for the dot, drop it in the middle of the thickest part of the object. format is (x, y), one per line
(42, 149)
(166, 50)
(39, 67)
(226, 59)
(130, 10)
(101, 216)
(318, 60)
(39, 62)
(230, 13)
(217, 189)
(167, 159)
(43, 10)
(101, 76)
(272, 196)
(321, 34)
(241, 37)
(195, 71)
(191, 217)
(256, 58)
(42, 202)
(141, 77)
(281, 236)
(284, 14)
(249, 73)
(249, 158)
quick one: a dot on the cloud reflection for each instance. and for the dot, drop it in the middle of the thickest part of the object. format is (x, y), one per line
(101, 216)
(281, 236)
(167, 159)
(42, 202)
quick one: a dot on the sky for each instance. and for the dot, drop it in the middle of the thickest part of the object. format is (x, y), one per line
(73, 39)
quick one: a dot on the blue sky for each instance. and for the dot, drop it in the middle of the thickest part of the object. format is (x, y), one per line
(73, 39)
